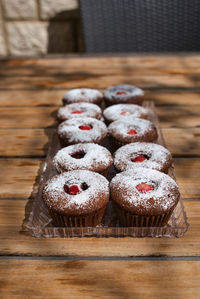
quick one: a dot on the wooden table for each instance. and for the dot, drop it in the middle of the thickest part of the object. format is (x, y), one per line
(30, 92)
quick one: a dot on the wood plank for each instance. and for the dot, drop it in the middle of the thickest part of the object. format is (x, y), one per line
(36, 117)
(53, 97)
(39, 117)
(182, 141)
(76, 80)
(187, 174)
(70, 61)
(24, 142)
(14, 241)
(31, 97)
(35, 142)
(19, 177)
(99, 279)
(183, 116)
(174, 98)
(101, 66)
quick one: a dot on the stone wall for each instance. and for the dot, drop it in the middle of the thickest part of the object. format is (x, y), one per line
(39, 27)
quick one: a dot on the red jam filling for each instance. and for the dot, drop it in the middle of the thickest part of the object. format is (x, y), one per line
(76, 112)
(72, 190)
(143, 187)
(140, 158)
(132, 132)
(85, 127)
(120, 92)
(125, 113)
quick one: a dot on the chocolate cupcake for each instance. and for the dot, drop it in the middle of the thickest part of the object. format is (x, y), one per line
(89, 156)
(142, 154)
(144, 197)
(76, 198)
(123, 93)
(79, 95)
(123, 112)
(79, 110)
(131, 130)
(82, 130)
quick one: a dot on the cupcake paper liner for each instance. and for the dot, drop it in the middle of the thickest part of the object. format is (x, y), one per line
(128, 220)
(91, 220)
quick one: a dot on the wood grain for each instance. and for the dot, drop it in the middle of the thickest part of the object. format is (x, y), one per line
(13, 241)
(83, 61)
(182, 141)
(19, 177)
(36, 117)
(174, 98)
(184, 116)
(35, 142)
(99, 279)
(100, 66)
(40, 117)
(53, 97)
(77, 80)
(187, 173)
(25, 142)
(30, 91)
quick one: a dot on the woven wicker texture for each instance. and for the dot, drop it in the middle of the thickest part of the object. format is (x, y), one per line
(141, 25)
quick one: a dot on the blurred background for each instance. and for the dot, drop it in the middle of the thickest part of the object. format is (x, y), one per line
(40, 27)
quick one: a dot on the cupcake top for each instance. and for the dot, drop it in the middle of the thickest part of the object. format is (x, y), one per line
(142, 154)
(82, 130)
(132, 130)
(79, 110)
(124, 111)
(78, 95)
(123, 93)
(77, 192)
(88, 156)
(144, 191)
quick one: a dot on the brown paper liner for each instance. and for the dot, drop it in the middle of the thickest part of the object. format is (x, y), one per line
(91, 220)
(129, 220)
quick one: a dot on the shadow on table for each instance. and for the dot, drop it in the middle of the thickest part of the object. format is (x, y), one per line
(49, 131)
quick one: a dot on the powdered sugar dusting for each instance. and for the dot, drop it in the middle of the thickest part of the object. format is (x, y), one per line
(163, 197)
(97, 158)
(113, 112)
(55, 195)
(87, 110)
(131, 91)
(70, 129)
(157, 156)
(82, 95)
(121, 127)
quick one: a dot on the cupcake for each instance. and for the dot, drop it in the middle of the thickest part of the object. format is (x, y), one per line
(79, 110)
(142, 154)
(144, 197)
(79, 95)
(89, 156)
(131, 130)
(82, 130)
(76, 198)
(123, 112)
(123, 93)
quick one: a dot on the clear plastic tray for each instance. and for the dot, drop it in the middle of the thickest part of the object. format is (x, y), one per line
(40, 225)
